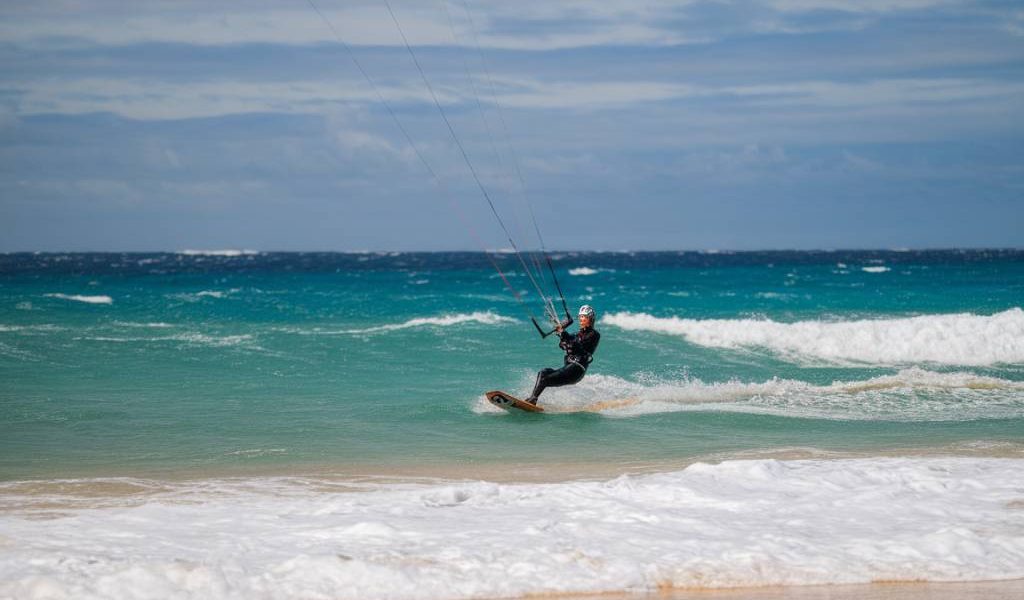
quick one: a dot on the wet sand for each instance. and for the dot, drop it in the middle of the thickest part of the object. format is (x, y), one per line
(49, 497)
(973, 590)
(497, 471)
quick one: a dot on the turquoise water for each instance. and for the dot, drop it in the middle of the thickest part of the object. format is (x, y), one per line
(179, 364)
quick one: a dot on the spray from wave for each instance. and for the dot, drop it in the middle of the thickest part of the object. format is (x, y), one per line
(950, 339)
(909, 395)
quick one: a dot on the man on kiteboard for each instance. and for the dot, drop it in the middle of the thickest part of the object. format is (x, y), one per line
(579, 352)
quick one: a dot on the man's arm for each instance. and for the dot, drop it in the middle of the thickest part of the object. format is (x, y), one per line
(565, 340)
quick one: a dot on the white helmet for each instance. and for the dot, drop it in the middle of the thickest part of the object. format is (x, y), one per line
(587, 311)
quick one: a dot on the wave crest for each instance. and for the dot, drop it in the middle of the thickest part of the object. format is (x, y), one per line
(231, 252)
(578, 271)
(951, 339)
(86, 299)
(481, 317)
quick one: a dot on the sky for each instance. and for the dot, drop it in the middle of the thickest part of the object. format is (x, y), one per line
(644, 125)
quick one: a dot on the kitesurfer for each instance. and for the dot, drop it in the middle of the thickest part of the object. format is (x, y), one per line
(579, 352)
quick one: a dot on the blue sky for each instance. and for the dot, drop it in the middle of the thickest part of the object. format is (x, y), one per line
(165, 125)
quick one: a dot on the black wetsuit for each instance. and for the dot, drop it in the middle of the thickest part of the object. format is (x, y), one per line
(579, 353)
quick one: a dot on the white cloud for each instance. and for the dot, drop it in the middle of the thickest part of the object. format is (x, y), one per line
(859, 6)
(592, 95)
(520, 25)
(779, 25)
(358, 23)
(891, 92)
(164, 100)
(810, 94)
(189, 23)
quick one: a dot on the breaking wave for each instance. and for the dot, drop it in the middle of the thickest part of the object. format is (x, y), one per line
(86, 299)
(950, 339)
(739, 523)
(484, 318)
(589, 271)
(198, 296)
(229, 252)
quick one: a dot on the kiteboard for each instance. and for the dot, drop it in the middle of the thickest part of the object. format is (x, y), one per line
(508, 402)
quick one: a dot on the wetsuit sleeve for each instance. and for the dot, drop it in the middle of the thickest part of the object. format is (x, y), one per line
(565, 340)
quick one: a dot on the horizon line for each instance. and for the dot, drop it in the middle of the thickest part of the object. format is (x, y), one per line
(235, 252)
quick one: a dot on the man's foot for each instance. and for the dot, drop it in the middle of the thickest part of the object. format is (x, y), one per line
(532, 400)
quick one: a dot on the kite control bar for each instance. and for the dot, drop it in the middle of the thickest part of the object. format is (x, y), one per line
(567, 322)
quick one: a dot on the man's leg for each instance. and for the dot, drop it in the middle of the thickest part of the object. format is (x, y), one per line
(540, 384)
(567, 375)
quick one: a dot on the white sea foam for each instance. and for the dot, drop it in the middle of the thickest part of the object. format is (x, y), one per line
(9, 351)
(31, 329)
(191, 338)
(737, 523)
(202, 339)
(86, 299)
(228, 252)
(197, 296)
(148, 325)
(485, 318)
(954, 339)
(875, 269)
(774, 296)
(257, 452)
(589, 271)
(909, 395)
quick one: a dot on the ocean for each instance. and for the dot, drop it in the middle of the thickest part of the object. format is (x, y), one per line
(240, 424)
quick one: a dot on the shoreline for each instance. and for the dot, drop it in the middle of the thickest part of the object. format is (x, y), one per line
(514, 472)
(917, 529)
(77, 492)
